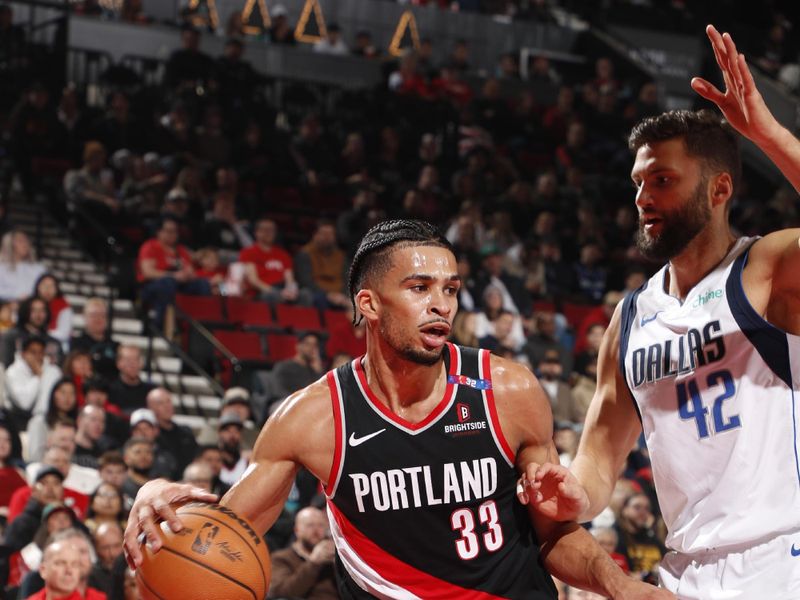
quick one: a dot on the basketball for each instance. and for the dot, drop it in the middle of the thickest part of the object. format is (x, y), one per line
(217, 556)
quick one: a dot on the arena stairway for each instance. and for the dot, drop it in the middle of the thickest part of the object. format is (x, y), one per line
(195, 396)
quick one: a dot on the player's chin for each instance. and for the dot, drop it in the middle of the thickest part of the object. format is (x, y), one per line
(424, 355)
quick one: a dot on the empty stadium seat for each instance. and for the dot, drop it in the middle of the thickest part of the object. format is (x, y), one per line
(298, 318)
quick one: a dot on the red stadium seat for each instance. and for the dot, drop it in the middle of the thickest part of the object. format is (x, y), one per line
(207, 309)
(298, 318)
(249, 313)
(336, 319)
(244, 345)
(575, 313)
(280, 347)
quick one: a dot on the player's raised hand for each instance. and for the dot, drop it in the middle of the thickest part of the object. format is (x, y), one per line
(153, 505)
(741, 102)
(552, 491)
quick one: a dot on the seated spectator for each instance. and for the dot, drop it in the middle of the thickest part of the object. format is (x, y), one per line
(234, 460)
(56, 517)
(304, 368)
(515, 297)
(503, 335)
(176, 440)
(19, 268)
(89, 440)
(212, 143)
(364, 45)
(590, 273)
(165, 268)
(320, 268)
(60, 325)
(591, 350)
(550, 375)
(305, 569)
(119, 128)
(108, 544)
(188, 66)
(237, 78)
(112, 468)
(128, 391)
(332, 43)
(209, 267)
(281, 32)
(236, 400)
(61, 573)
(222, 230)
(138, 454)
(544, 338)
(61, 405)
(638, 541)
(81, 545)
(11, 477)
(485, 325)
(29, 381)
(145, 425)
(601, 315)
(211, 456)
(77, 367)
(268, 267)
(106, 506)
(116, 430)
(96, 338)
(33, 317)
(92, 187)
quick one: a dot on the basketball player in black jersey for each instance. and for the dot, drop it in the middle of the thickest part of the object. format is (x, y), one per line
(418, 445)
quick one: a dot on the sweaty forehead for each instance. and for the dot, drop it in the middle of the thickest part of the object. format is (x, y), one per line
(423, 259)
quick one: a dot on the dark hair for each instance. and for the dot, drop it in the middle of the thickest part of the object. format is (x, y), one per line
(29, 340)
(69, 360)
(90, 511)
(95, 384)
(24, 311)
(705, 135)
(64, 422)
(203, 448)
(47, 276)
(53, 413)
(135, 441)
(110, 457)
(372, 255)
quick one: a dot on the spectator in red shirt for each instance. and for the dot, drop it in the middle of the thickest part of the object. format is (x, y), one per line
(268, 267)
(165, 268)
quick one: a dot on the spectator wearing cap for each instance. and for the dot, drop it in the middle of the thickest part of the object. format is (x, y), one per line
(320, 267)
(281, 32)
(138, 454)
(47, 488)
(144, 424)
(174, 439)
(332, 43)
(234, 460)
(29, 381)
(236, 400)
(128, 391)
(164, 268)
(56, 517)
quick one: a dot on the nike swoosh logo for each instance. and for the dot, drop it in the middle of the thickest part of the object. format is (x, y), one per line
(646, 320)
(357, 441)
(795, 551)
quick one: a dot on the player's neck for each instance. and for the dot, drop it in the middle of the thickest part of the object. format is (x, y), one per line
(698, 259)
(401, 383)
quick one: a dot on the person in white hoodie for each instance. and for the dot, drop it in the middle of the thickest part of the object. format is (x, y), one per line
(29, 380)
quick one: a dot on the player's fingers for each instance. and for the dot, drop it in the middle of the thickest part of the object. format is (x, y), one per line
(165, 512)
(131, 545)
(148, 526)
(733, 59)
(747, 76)
(707, 90)
(522, 493)
(190, 492)
(720, 55)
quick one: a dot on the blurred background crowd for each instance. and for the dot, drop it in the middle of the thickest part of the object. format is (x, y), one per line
(199, 220)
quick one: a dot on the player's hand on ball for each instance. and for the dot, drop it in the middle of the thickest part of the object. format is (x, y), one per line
(153, 505)
(553, 491)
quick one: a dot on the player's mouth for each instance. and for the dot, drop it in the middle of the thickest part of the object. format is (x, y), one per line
(434, 335)
(650, 222)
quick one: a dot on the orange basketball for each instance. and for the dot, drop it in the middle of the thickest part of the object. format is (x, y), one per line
(217, 556)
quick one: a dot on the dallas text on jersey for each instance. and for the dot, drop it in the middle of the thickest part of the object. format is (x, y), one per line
(679, 355)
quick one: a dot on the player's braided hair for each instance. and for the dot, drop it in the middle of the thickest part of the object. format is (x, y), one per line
(373, 251)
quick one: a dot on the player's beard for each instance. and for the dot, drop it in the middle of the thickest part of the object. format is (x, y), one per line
(678, 227)
(407, 350)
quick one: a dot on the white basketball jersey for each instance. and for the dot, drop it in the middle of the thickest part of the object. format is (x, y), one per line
(715, 386)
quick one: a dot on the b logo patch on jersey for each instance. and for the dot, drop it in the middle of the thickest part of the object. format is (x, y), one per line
(478, 384)
(463, 412)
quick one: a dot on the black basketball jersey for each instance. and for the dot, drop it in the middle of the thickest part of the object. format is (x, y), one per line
(428, 509)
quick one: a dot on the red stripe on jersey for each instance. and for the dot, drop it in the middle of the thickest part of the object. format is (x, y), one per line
(434, 414)
(337, 423)
(399, 573)
(487, 374)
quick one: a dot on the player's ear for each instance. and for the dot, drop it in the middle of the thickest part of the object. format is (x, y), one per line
(367, 303)
(721, 188)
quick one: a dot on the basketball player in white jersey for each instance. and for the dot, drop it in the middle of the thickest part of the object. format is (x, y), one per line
(419, 445)
(704, 359)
